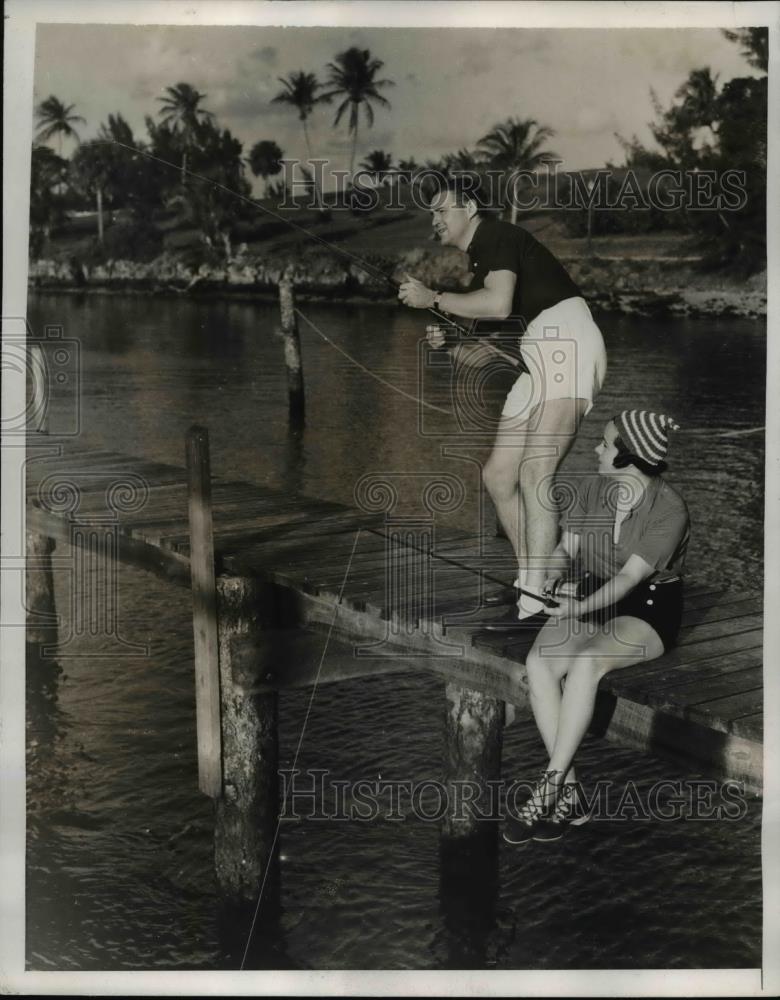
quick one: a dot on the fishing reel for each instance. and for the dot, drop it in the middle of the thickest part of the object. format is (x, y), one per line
(576, 587)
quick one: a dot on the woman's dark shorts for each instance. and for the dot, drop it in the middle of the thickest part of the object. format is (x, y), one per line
(658, 604)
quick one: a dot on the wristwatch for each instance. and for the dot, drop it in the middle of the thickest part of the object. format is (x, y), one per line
(437, 300)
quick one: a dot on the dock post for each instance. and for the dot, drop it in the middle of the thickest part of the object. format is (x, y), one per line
(39, 600)
(473, 731)
(247, 813)
(204, 613)
(292, 346)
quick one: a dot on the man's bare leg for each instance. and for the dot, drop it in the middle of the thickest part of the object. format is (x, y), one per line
(556, 425)
(501, 478)
(519, 475)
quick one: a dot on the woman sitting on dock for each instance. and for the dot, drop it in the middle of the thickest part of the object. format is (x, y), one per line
(628, 530)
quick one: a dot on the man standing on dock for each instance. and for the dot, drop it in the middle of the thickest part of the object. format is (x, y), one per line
(562, 357)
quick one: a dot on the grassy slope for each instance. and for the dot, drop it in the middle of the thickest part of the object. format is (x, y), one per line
(384, 232)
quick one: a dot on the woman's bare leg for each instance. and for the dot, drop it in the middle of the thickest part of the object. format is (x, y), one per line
(547, 663)
(609, 650)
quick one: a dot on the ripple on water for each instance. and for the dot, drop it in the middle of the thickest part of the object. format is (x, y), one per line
(120, 850)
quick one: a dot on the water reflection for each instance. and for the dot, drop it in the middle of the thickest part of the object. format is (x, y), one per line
(120, 842)
(468, 893)
(250, 933)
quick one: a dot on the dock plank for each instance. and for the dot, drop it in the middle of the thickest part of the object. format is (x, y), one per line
(718, 630)
(720, 611)
(633, 682)
(335, 560)
(658, 674)
(721, 713)
(749, 726)
(731, 683)
(292, 553)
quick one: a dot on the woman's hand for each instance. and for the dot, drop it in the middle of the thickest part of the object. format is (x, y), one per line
(436, 336)
(568, 607)
(415, 294)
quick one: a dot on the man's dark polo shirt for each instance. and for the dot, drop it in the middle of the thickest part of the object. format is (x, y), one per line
(542, 281)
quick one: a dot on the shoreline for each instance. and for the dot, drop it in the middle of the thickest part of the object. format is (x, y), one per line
(638, 286)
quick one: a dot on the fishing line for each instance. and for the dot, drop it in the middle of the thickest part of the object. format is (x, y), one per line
(365, 265)
(362, 367)
(300, 743)
(720, 432)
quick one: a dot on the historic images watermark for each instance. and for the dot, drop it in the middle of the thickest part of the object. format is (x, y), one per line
(313, 795)
(314, 184)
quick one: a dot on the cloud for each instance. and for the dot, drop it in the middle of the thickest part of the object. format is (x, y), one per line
(144, 90)
(591, 120)
(247, 99)
(268, 54)
(476, 58)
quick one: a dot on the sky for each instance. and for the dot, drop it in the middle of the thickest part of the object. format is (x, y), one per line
(452, 85)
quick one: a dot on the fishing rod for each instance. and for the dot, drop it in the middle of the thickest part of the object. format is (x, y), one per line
(354, 258)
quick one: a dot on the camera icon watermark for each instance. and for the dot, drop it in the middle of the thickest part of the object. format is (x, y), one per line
(51, 365)
(495, 379)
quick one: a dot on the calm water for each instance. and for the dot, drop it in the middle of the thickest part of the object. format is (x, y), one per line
(119, 861)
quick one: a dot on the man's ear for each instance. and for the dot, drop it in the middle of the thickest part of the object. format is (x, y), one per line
(471, 208)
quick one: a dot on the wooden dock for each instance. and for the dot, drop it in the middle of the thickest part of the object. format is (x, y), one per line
(408, 593)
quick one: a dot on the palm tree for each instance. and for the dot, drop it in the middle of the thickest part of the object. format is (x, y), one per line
(379, 164)
(93, 169)
(699, 96)
(117, 130)
(464, 159)
(352, 77)
(407, 170)
(516, 144)
(300, 92)
(55, 118)
(265, 160)
(755, 45)
(181, 112)
(47, 174)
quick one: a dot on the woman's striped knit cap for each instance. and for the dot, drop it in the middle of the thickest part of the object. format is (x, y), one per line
(645, 433)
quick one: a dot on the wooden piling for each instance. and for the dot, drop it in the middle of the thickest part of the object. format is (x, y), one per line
(473, 729)
(247, 813)
(292, 346)
(204, 612)
(39, 590)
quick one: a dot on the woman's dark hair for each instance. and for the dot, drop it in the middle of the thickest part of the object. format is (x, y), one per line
(625, 458)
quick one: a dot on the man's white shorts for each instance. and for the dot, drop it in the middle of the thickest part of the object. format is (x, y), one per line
(566, 358)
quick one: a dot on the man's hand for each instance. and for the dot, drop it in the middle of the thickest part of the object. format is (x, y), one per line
(415, 294)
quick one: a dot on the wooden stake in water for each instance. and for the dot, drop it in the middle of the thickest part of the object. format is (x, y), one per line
(204, 609)
(247, 814)
(472, 756)
(292, 346)
(39, 590)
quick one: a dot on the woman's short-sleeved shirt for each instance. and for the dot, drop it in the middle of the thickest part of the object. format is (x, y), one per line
(657, 528)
